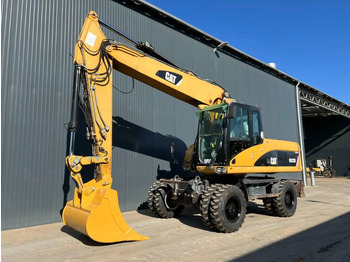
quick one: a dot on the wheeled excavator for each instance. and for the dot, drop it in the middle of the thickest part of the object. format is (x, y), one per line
(229, 145)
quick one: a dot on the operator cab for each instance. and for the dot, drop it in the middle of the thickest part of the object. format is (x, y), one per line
(226, 130)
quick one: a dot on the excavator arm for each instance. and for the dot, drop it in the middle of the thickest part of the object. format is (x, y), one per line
(94, 211)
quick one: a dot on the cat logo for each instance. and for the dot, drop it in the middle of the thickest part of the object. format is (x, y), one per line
(171, 77)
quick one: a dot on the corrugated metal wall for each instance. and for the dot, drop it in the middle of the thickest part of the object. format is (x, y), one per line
(334, 140)
(37, 40)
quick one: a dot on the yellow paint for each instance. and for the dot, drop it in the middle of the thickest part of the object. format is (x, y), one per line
(100, 219)
(244, 162)
(94, 210)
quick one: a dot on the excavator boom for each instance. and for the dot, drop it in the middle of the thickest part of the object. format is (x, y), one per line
(154, 70)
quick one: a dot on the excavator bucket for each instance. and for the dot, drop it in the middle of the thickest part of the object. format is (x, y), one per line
(101, 220)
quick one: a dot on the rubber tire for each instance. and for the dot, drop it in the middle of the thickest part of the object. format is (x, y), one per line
(204, 205)
(227, 196)
(150, 196)
(161, 207)
(333, 173)
(269, 207)
(327, 174)
(286, 203)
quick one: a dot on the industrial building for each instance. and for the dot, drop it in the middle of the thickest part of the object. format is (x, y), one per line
(38, 39)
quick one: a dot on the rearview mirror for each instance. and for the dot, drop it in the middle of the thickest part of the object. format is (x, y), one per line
(233, 111)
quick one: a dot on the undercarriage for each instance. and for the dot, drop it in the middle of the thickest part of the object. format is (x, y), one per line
(222, 200)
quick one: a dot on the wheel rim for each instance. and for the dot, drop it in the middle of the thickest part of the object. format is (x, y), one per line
(169, 203)
(233, 209)
(327, 174)
(289, 199)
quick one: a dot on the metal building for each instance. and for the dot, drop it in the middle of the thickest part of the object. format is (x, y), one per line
(38, 39)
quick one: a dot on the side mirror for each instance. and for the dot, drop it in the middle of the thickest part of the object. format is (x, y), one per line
(233, 111)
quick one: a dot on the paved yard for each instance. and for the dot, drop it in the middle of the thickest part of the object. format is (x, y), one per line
(319, 231)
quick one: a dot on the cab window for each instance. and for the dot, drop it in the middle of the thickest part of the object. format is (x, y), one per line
(256, 127)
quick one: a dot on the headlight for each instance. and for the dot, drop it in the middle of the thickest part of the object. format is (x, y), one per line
(221, 170)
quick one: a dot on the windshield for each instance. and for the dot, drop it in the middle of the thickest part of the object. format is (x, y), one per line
(211, 134)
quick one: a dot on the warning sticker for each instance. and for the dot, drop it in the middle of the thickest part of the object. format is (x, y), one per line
(292, 160)
(90, 39)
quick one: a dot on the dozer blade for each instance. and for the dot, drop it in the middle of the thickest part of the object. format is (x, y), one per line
(101, 220)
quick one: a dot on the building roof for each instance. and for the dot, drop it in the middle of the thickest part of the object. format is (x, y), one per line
(313, 101)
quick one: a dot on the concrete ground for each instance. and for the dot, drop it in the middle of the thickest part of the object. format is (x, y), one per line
(319, 231)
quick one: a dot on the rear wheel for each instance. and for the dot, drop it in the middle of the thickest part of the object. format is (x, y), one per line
(285, 203)
(228, 208)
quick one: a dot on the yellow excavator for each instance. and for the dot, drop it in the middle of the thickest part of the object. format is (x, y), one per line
(229, 145)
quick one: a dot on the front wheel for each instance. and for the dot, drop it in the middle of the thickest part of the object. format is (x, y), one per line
(228, 208)
(327, 174)
(268, 204)
(151, 195)
(204, 205)
(163, 204)
(333, 173)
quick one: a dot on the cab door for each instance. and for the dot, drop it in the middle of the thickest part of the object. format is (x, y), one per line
(244, 128)
(257, 135)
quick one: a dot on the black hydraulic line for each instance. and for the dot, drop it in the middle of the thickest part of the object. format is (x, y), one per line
(145, 47)
(117, 32)
(73, 123)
